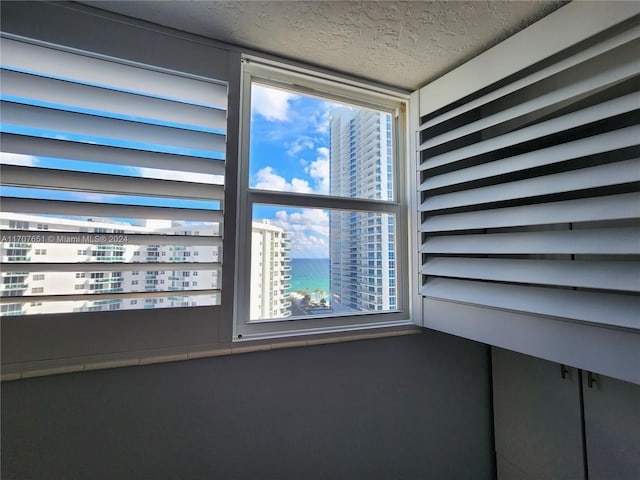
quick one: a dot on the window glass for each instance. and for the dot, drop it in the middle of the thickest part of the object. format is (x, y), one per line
(306, 144)
(319, 262)
(336, 258)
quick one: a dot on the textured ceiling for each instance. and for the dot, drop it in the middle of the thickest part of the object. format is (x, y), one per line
(403, 44)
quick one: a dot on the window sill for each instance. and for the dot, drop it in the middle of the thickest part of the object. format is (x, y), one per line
(21, 371)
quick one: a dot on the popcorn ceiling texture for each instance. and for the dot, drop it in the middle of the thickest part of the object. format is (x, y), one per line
(402, 44)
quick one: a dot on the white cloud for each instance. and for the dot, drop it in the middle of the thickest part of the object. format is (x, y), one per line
(319, 170)
(318, 219)
(19, 159)
(308, 231)
(323, 152)
(272, 104)
(299, 144)
(321, 120)
(268, 179)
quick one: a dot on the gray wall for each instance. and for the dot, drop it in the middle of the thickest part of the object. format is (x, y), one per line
(409, 407)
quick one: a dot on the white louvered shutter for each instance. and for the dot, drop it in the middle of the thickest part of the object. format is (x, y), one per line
(124, 163)
(529, 201)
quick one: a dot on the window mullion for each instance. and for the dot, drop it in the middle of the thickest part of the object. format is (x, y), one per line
(322, 201)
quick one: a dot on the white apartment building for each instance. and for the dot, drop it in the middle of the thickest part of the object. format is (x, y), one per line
(362, 245)
(48, 288)
(270, 272)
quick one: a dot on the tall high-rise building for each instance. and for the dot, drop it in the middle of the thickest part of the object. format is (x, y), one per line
(270, 272)
(362, 244)
(79, 291)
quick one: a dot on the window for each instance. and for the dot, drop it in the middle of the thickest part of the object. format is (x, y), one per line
(323, 176)
(11, 309)
(127, 157)
(18, 225)
(113, 149)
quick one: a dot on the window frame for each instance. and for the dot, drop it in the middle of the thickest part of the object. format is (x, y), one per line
(328, 87)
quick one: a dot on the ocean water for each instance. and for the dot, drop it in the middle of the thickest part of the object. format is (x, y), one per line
(311, 274)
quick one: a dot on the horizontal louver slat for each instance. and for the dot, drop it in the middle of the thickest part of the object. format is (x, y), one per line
(602, 111)
(97, 297)
(115, 155)
(610, 207)
(113, 184)
(59, 207)
(611, 309)
(567, 342)
(83, 127)
(618, 66)
(620, 275)
(583, 148)
(26, 57)
(621, 173)
(611, 241)
(42, 90)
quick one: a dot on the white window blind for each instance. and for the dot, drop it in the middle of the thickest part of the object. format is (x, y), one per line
(123, 164)
(529, 193)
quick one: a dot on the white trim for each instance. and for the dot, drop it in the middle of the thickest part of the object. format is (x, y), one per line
(413, 199)
(311, 78)
(313, 83)
(606, 351)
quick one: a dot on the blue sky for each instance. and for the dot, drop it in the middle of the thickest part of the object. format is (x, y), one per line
(289, 151)
(289, 141)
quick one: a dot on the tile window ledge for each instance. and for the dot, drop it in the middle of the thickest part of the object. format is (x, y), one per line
(16, 371)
